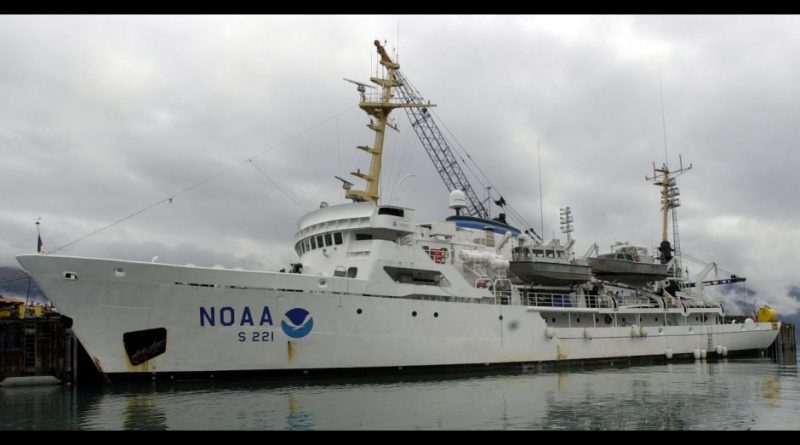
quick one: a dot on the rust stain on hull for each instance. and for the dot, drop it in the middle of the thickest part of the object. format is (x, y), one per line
(561, 354)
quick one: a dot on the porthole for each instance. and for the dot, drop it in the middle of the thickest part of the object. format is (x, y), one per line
(119, 272)
(435, 315)
(414, 314)
(358, 311)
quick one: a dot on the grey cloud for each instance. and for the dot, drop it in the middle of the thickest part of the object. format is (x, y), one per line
(106, 115)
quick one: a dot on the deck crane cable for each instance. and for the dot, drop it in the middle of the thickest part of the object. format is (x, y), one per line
(512, 211)
(438, 148)
(439, 119)
(275, 184)
(26, 277)
(393, 181)
(699, 261)
(205, 180)
(516, 215)
(440, 152)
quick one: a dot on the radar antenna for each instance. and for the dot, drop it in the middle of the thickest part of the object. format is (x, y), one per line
(347, 185)
(362, 88)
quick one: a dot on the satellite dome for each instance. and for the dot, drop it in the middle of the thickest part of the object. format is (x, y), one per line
(458, 200)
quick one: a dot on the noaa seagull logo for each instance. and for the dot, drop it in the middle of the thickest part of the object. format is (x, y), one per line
(297, 323)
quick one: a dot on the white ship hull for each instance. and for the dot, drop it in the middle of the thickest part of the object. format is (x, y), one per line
(230, 320)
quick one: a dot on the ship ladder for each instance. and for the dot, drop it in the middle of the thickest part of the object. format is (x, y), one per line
(29, 325)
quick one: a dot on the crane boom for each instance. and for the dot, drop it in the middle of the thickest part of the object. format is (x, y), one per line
(732, 279)
(438, 148)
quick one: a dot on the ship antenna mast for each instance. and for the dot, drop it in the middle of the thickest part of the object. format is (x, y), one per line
(665, 179)
(541, 199)
(378, 109)
(566, 223)
(663, 119)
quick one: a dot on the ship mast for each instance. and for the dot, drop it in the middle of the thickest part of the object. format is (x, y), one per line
(665, 179)
(378, 110)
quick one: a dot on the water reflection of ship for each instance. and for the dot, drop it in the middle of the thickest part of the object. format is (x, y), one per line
(143, 413)
(298, 419)
(643, 399)
(616, 398)
(49, 407)
(771, 390)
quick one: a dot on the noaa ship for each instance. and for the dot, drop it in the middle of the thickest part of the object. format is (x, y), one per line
(373, 290)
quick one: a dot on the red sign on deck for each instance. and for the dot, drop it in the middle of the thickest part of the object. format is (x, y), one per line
(439, 256)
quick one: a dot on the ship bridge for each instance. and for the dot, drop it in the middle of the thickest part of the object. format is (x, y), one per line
(386, 220)
(335, 240)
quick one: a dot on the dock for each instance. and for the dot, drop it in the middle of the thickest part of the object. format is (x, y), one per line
(35, 347)
(784, 348)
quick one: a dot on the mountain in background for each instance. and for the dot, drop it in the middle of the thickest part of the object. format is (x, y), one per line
(740, 300)
(14, 283)
(794, 292)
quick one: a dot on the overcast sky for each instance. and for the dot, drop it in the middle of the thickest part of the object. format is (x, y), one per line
(103, 116)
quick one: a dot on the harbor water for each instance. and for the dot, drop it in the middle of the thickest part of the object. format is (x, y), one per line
(740, 394)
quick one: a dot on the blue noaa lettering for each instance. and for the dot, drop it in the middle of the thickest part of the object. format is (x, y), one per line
(222, 319)
(266, 317)
(206, 316)
(227, 316)
(246, 317)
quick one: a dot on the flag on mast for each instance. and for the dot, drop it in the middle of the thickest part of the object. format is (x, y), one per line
(39, 238)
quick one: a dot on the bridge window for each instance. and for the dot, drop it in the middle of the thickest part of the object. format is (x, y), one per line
(313, 243)
(337, 238)
(352, 272)
(328, 240)
(391, 211)
(363, 236)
